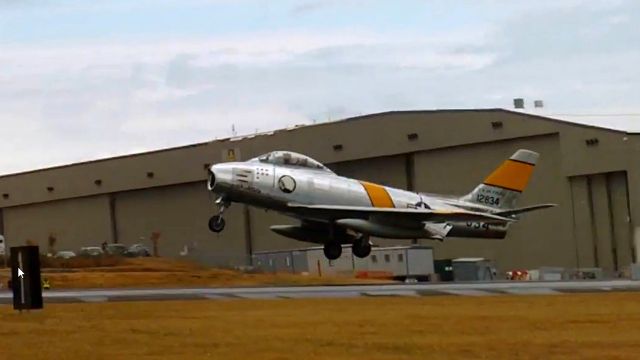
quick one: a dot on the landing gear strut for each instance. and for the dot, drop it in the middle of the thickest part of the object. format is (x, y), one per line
(361, 247)
(216, 222)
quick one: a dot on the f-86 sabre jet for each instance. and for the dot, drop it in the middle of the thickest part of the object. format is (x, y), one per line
(334, 210)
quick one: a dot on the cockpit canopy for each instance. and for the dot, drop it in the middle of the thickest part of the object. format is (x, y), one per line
(290, 158)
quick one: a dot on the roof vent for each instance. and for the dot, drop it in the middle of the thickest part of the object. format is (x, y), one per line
(538, 104)
(50, 188)
(337, 147)
(5, 196)
(412, 136)
(150, 174)
(496, 124)
(206, 166)
(518, 103)
(98, 182)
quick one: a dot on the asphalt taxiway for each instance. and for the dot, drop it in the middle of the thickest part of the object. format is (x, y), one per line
(340, 291)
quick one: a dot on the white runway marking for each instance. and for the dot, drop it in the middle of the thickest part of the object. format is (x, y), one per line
(468, 292)
(539, 291)
(391, 293)
(93, 299)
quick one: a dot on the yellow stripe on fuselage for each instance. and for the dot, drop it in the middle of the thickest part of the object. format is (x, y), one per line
(511, 175)
(378, 195)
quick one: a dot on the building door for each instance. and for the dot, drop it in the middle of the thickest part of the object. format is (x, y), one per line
(602, 228)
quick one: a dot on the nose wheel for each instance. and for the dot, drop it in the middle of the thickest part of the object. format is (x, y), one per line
(216, 222)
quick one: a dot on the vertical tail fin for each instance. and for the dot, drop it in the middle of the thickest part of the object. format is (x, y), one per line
(503, 186)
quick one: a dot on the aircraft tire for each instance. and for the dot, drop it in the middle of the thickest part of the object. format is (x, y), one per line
(332, 251)
(216, 223)
(361, 248)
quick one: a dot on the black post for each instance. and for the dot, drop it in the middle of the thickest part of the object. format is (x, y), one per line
(25, 278)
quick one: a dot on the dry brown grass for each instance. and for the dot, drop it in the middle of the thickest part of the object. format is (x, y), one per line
(596, 326)
(81, 262)
(161, 272)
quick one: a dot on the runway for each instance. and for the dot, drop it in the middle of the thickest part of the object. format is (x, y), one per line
(343, 291)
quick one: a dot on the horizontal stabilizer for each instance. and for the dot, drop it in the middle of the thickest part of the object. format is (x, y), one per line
(523, 210)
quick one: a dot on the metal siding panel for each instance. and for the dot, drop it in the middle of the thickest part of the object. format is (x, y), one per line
(74, 222)
(315, 259)
(180, 213)
(617, 184)
(420, 261)
(602, 221)
(612, 153)
(263, 239)
(388, 170)
(399, 268)
(583, 234)
(171, 166)
(300, 262)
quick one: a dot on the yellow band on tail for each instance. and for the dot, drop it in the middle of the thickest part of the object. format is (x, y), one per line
(511, 175)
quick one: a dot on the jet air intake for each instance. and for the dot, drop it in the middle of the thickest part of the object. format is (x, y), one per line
(211, 179)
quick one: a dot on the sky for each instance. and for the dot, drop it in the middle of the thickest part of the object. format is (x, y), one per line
(82, 80)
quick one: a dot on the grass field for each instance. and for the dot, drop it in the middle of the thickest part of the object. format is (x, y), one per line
(582, 326)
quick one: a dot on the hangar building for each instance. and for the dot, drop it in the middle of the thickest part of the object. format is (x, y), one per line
(591, 172)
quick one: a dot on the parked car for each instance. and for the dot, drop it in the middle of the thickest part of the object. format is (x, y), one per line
(137, 250)
(64, 255)
(116, 249)
(90, 251)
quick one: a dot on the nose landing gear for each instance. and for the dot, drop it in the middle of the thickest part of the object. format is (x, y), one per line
(216, 222)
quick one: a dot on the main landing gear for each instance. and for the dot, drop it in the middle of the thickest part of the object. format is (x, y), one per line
(332, 250)
(361, 248)
(216, 222)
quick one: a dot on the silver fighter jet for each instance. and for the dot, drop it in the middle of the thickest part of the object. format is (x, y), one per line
(335, 210)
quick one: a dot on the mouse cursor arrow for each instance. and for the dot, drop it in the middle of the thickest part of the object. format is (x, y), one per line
(20, 273)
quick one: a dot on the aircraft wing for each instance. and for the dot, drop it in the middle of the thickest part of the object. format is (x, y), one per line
(417, 215)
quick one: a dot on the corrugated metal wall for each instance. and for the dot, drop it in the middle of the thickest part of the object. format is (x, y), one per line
(602, 224)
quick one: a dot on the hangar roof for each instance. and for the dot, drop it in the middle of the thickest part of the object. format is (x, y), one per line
(350, 119)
